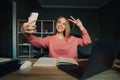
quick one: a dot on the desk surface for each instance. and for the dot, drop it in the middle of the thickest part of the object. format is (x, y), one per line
(50, 73)
(40, 73)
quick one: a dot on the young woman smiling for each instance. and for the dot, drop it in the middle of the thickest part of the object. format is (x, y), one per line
(61, 44)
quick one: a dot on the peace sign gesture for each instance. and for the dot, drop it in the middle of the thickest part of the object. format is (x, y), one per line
(77, 22)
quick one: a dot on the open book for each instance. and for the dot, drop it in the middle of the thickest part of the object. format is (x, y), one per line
(45, 61)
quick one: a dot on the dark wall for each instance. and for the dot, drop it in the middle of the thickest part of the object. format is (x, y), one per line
(24, 7)
(89, 17)
(5, 28)
(109, 17)
(110, 23)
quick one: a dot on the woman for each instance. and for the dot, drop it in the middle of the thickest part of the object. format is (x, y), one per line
(61, 44)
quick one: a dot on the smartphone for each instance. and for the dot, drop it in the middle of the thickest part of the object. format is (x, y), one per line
(33, 16)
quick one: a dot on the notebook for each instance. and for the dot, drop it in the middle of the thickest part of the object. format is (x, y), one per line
(103, 53)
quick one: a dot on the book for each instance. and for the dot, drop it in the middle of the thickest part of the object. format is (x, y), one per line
(46, 61)
(4, 59)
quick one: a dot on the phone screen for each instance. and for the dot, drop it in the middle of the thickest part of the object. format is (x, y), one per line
(33, 16)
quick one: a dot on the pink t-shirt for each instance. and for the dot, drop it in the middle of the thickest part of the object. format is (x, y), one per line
(60, 47)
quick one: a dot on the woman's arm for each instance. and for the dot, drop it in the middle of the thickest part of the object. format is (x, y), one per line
(28, 29)
(85, 36)
(38, 41)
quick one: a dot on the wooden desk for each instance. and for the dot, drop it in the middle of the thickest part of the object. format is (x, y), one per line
(53, 73)
(40, 73)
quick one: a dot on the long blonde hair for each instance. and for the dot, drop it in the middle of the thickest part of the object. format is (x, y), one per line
(66, 33)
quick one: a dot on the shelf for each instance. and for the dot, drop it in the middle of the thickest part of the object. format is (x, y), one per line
(44, 28)
(24, 44)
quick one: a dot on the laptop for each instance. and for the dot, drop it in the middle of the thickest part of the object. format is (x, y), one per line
(8, 65)
(103, 54)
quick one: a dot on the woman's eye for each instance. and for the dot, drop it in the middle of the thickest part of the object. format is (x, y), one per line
(58, 22)
(64, 24)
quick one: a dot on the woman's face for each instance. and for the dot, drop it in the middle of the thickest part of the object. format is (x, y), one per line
(61, 25)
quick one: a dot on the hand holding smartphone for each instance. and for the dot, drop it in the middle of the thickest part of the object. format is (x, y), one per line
(30, 26)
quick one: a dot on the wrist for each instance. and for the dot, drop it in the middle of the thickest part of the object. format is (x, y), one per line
(26, 35)
(81, 27)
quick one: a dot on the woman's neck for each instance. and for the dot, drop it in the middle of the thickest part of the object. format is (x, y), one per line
(60, 36)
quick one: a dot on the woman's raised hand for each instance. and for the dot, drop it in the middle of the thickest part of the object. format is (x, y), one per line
(77, 22)
(28, 27)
